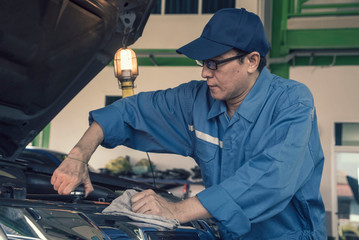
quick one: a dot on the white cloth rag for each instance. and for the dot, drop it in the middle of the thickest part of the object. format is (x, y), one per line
(122, 206)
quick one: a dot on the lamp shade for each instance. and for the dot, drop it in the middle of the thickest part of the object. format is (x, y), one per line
(125, 63)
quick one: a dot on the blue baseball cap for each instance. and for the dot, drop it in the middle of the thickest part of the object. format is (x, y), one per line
(228, 28)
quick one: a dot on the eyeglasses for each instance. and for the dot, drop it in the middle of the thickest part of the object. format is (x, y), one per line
(213, 64)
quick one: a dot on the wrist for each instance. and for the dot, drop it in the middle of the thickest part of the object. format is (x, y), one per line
(181, 212)
(77, 159)
(190, 209)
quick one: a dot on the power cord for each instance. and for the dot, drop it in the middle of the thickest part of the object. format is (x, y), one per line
(153, 173)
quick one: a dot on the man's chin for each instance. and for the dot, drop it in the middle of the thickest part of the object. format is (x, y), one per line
(217, 96)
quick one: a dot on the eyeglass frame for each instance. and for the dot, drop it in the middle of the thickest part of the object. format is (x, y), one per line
(218, 62)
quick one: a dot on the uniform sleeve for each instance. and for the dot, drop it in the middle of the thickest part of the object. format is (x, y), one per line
(150, 121)
(281, 163)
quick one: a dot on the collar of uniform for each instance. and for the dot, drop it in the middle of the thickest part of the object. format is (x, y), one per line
(217, 108)
(253, 102)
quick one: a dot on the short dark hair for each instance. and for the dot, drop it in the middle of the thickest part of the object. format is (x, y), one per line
(262, 61)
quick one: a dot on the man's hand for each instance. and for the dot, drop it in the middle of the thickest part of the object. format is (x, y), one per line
(148, 202)
(69, 175)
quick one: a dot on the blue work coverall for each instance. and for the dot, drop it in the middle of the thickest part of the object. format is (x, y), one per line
(261, 168)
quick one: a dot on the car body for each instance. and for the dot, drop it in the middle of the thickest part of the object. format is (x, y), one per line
(44, 156)
(50, 50)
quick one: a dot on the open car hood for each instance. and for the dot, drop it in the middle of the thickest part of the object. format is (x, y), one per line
(49, 50)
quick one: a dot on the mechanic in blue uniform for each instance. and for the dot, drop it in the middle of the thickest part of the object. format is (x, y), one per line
(253, 134)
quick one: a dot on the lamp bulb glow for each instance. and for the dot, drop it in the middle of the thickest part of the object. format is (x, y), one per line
(126, 59)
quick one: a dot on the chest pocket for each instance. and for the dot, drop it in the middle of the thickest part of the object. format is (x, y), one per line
(205, 152)
(205, 155)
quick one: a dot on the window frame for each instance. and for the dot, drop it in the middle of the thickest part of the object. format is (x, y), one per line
(199, 10)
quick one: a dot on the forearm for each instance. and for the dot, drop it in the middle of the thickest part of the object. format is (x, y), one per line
(71, 173)
(190, 209)
(86, 146)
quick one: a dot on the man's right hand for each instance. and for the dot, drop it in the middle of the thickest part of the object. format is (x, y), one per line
(73, 171)
(69, 175)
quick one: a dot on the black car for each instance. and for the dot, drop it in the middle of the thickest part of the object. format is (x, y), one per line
(49, 50)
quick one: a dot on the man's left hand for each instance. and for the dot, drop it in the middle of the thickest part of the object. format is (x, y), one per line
(148, 202)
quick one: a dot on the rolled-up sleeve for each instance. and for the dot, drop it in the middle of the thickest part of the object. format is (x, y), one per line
(150, 121)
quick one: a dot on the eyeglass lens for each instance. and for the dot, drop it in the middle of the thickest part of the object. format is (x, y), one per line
(213, 64)
(210, 64)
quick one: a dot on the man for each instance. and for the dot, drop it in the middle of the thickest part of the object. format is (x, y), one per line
(253, 134)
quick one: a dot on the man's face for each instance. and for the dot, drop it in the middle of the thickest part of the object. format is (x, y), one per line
(231, 80)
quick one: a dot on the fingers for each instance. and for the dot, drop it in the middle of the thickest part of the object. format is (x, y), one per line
(142, 208)
(143, 202)
(66, 189)
(64, 185)
(69, 175)
(88, 187)
(141, 195)
(148, 202)
(54, 177)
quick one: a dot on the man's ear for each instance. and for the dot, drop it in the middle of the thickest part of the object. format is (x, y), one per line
(254, 59)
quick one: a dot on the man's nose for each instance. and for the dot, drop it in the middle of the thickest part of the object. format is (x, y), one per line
(206, 72)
